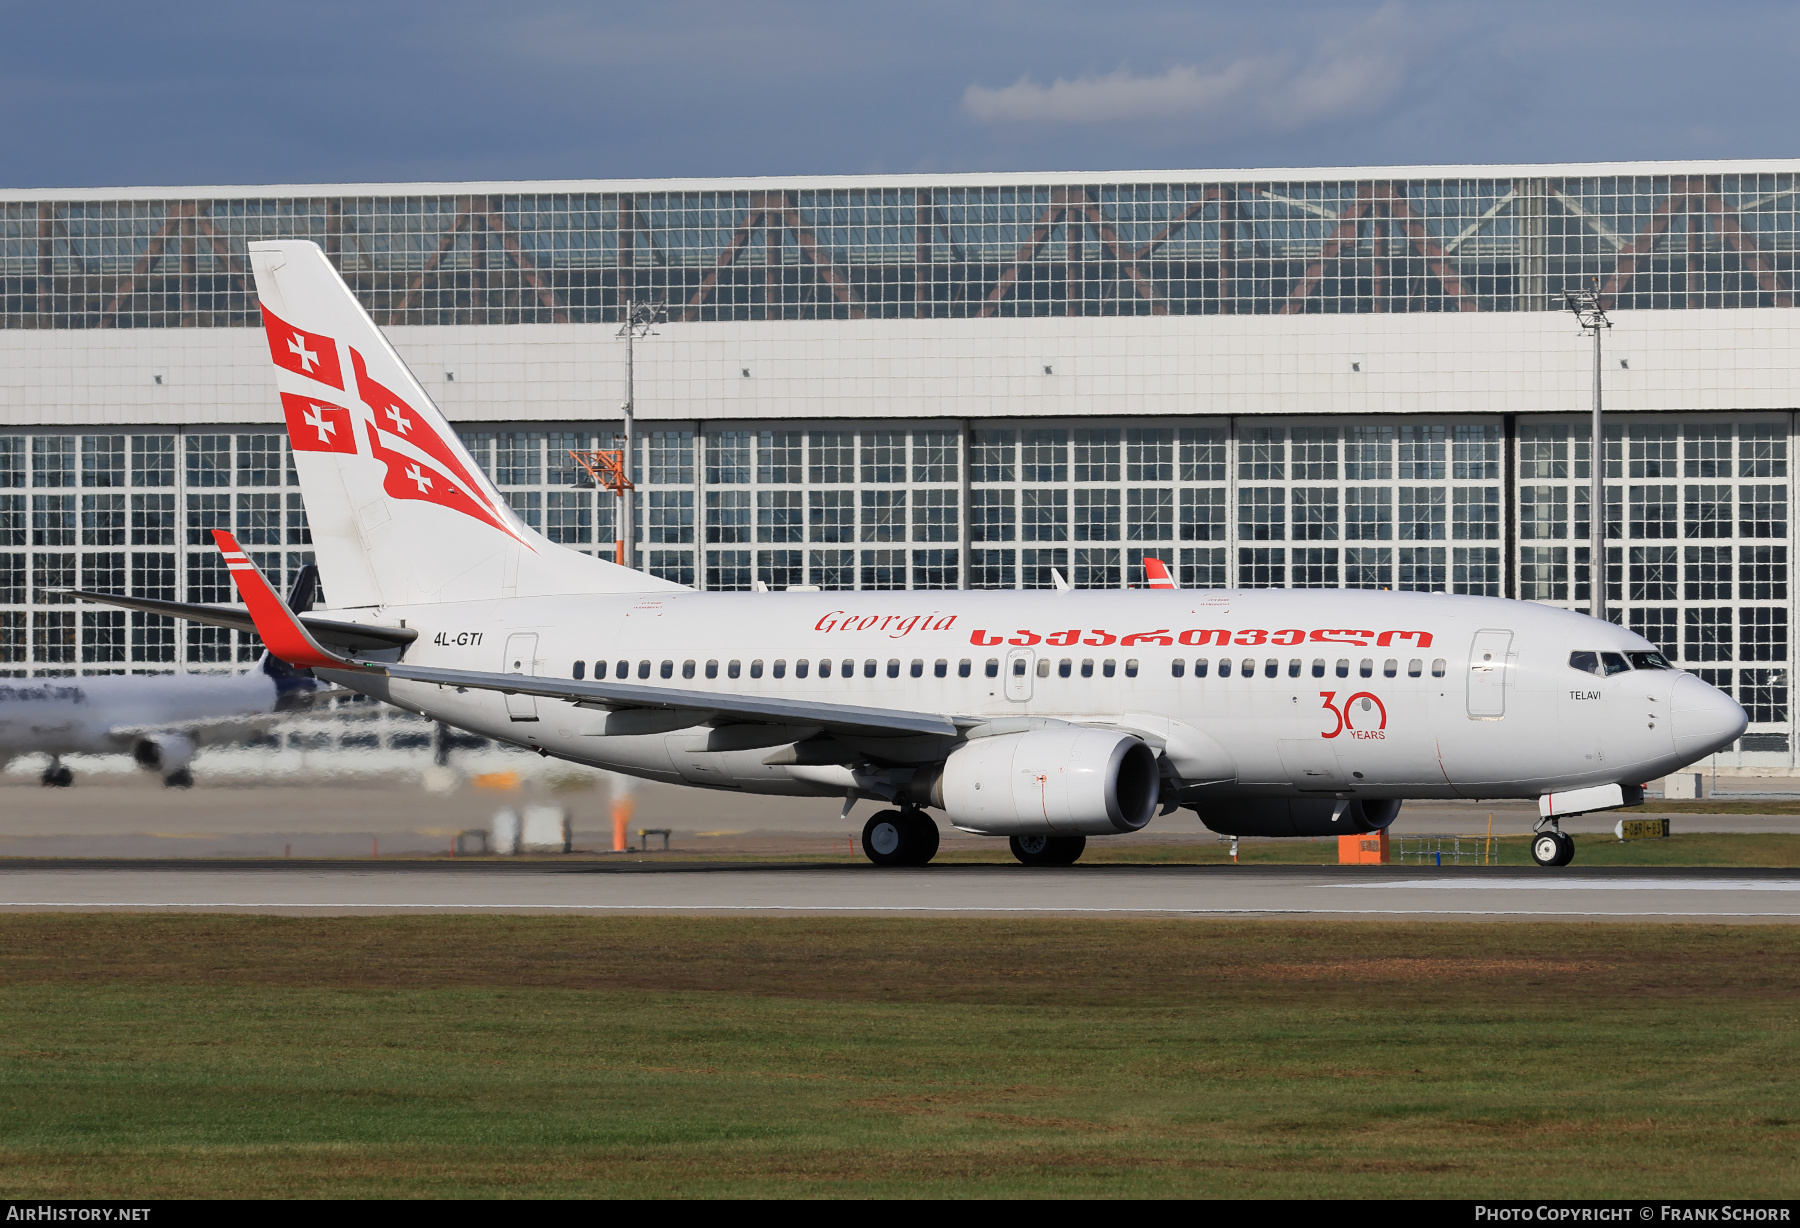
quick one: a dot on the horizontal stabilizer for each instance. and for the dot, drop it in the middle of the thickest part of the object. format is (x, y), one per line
(352, 637)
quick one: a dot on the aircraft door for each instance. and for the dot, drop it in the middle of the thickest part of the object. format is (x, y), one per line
(1019, 665)
(1489, 668)
(521, 658)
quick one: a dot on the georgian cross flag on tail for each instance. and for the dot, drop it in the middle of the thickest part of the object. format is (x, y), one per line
(420, 465)
(318, 426)
(303, 353)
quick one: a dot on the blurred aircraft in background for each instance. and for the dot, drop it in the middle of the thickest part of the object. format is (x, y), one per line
(161, 720)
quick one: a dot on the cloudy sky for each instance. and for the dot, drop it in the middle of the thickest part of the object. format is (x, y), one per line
(254, 91)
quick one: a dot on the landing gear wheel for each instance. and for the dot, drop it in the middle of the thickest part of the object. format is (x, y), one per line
(56, 776)
(889, 839)
(180, 778)
(1048, 850)
(928, 834)
(1552, 848)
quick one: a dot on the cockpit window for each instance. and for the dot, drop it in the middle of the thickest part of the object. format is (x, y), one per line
(1586, 662)
(1613, 663)
(1649, 660)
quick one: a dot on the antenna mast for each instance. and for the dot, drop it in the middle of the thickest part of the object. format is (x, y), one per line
(611, 468)
(1588, 309)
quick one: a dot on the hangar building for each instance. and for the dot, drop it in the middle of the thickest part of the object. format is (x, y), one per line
(1358, 378)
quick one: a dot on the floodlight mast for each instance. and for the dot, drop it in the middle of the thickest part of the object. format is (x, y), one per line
(639, 319)
(1588, 309)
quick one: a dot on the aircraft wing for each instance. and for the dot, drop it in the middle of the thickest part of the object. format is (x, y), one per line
(204, 732)
(355, 637)
(291, 639)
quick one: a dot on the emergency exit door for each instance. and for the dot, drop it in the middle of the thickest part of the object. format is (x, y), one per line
(1019, 668)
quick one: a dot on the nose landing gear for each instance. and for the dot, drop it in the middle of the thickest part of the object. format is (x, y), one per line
(900, 838)
(1551, 847)
(56, 776)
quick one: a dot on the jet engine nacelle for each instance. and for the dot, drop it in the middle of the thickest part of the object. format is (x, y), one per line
(1063, 781)
(1305, 816)
(163, 752)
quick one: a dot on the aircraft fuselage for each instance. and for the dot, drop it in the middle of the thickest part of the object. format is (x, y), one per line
(1251, 693)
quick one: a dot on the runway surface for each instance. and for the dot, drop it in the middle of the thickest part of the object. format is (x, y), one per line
(135, 817)
(530, 888)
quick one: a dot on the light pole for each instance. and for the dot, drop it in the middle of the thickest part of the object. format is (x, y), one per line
(639, 317)
(1589, 310)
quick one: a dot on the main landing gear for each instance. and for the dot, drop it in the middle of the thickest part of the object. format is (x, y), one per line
(900, 838)
(1048, 850)
(56, 776)
(1550, 847)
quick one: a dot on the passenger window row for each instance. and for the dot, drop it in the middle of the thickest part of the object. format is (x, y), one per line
(1066, 667)
(1607, 664)
(871, 668)
(779, 669)
(1271, 667)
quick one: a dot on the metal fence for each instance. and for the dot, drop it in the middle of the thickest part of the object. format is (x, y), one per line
(1425, 850)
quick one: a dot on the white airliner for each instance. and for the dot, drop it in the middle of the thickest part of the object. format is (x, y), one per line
(1046, 717)
(161, 720)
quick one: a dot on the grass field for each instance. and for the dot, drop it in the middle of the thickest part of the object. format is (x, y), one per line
(189, 1056)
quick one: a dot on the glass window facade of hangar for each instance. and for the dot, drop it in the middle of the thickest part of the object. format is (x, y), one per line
(1652, 242)
(1698, 513)
(132, 513)
(1698, 506)
(1698, 509)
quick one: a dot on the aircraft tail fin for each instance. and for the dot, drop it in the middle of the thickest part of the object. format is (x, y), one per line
(305, 589)
(1156, 573)
(400, 512)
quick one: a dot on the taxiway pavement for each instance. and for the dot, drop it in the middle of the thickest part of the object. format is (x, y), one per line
(672, 888)
(135, 817)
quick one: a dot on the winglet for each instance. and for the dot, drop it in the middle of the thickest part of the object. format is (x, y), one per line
(286, 638)
(1156, 573)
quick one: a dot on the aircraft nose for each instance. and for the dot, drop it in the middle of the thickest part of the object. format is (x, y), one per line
(1705, 719)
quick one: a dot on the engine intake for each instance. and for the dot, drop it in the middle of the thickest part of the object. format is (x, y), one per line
(1067, 780)
(1305, 816)
(164, 752)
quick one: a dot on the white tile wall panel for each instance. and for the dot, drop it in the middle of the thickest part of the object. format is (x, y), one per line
(1488, 363)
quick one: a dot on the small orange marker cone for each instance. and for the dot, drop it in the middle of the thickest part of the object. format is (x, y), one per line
(621, 817)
